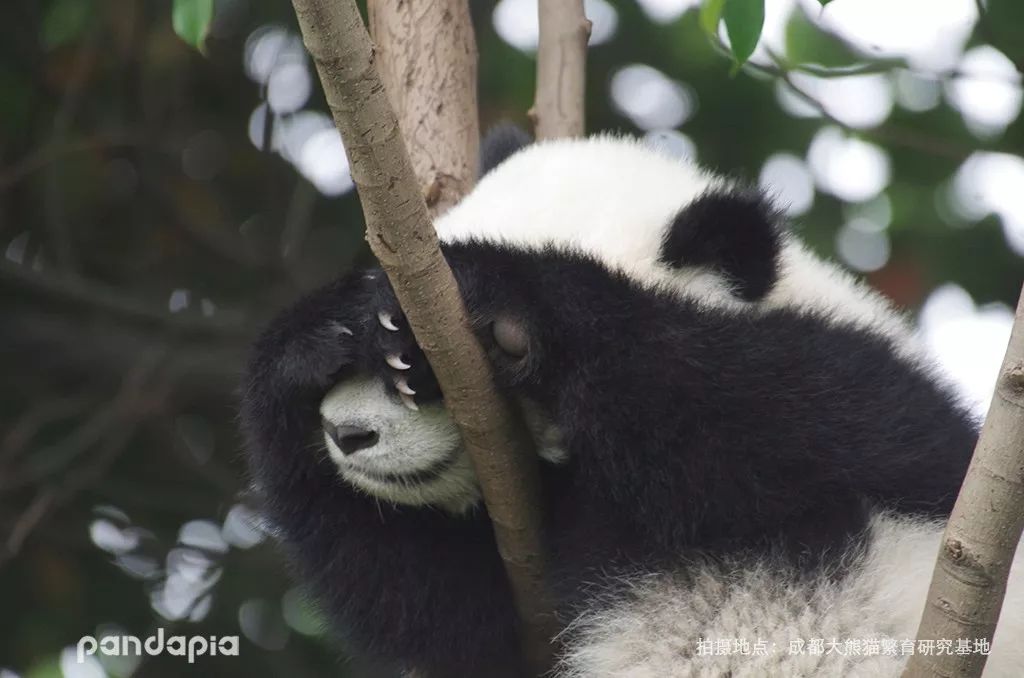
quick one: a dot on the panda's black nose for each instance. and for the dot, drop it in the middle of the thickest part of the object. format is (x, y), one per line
(350, 439)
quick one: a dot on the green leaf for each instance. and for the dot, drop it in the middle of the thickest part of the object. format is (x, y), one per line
(191, 20)
(710, 15)
(64, 21)
(744, 20)
(824, 2)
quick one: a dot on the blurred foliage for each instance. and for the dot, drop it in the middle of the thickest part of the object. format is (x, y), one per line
(146, 238)
(1003, 28)
(744, 20)
(191, 19)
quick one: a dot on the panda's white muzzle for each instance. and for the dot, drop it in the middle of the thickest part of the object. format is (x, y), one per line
(389, 451)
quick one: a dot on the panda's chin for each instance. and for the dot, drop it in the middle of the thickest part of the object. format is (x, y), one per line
(448, 483)
(414, 458)
(432, 473)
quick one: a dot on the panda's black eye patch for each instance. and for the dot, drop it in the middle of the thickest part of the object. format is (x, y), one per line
(511, 336)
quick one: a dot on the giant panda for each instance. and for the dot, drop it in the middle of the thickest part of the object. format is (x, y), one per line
(738, 443)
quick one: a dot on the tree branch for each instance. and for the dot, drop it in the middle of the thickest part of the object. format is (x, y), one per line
(895, 135)
(55, 221)
(138, 396)
(87, 293)
(401, 235)
(558, 108)
(51, 151)
(36, 417)
(141, 394)
(426, 58)
(969, 581)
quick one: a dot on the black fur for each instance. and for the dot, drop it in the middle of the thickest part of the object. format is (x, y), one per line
(735, 231)
(400, 584)
(691, 433)
(500, 143)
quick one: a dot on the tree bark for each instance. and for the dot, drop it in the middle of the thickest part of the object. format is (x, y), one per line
(969, 581)
(427, 59)
(558, 107)
(400, 233)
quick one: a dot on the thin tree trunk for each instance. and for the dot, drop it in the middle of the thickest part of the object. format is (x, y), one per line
(969, 581)
(426, 57)
(558, 108)
(400, 233)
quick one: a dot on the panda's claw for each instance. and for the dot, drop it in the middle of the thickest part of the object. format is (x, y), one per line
(403, 386)
(391, 352)
(341, 329)
(408, 401)
(395, 360)
(386, 321)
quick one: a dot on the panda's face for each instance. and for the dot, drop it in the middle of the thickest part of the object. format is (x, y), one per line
(388, 450)
(411, 455)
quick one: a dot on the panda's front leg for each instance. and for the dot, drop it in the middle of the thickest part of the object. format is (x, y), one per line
(504, 321)
(602, 359)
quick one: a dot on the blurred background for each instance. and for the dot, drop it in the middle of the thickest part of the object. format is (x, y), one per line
(158, 204)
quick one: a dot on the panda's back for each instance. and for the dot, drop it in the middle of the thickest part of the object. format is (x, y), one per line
(852, 622)
(610, 197)
(614, 197)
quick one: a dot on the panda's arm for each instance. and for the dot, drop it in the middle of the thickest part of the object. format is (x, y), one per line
(733, 424)
(694, 423)
(411, 585)
(738, 428)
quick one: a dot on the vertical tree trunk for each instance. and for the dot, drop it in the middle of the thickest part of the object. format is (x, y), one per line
(426, 57)
(400, 233)
(558, 108)
(969, 581)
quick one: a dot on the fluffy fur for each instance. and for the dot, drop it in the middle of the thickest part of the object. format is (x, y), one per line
(648, 628)
(733, 434)
(619, 200)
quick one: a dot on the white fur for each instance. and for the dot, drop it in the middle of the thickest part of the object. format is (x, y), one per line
(412, 441)
(613, 197)
(652, 632)
(409, 442)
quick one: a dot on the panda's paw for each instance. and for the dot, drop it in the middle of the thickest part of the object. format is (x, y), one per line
(315, 359)
(308, 345)
(505, 336)
(394, 354)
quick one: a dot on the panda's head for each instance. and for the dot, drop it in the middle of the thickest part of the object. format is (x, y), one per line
(382, 418)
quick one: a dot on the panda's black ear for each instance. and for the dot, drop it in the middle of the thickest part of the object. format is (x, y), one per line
(735, 231)
(500, 143)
